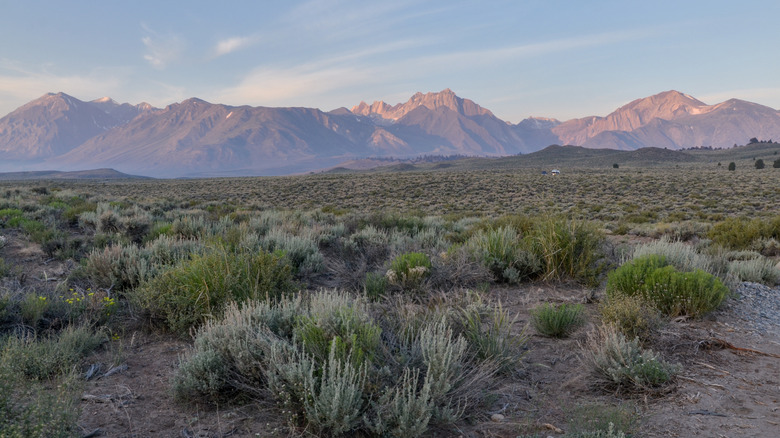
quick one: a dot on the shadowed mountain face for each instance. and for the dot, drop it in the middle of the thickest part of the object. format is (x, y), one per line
(196, 137)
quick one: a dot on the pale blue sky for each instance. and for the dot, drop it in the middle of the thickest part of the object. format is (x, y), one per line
(547, 58)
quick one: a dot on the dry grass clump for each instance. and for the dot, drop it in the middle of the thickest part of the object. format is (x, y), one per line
(550, 249)
(557, 321)
(198, 288)
(631, 315)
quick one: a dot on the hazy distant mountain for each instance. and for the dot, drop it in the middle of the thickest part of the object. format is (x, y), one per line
(56, 123)
(49, 126)
(196, 137)
(672, 120)
(667, 105)
(99, 174)
(723, 125)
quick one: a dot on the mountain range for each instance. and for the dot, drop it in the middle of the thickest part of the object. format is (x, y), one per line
(198, 138)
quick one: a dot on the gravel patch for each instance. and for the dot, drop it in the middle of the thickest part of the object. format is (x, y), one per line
(757, 307)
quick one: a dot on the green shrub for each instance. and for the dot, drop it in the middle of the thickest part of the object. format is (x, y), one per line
(183, 296)
(29, 409)
(557, 321)
(41, 359)
(33, 307)
(11, 217)
(741, 233)
(630, 278)
(621, 363)
(670, 291)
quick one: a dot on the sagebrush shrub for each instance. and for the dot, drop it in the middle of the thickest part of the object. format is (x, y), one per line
(325, 360)
(118, 267)
(338, 324)
(302, 251)
(622, 363)
(403, 411)
(757, 270)
(680, 255)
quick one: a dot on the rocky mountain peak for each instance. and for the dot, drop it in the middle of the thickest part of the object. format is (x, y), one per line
(433, 101)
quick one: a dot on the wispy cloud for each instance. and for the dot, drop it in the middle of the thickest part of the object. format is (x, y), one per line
(293, 86)
(230, 45)
(161, 50)
(520, 51)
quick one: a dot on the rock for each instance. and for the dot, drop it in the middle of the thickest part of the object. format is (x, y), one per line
(497, 418)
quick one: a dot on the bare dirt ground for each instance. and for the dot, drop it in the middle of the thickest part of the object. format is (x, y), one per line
(729, 386)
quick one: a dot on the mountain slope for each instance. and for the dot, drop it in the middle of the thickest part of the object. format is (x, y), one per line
(197, 136)
(720, 126)
(666, 106)
(49, 126)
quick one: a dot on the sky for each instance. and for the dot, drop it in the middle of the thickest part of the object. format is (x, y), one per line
(547, 58)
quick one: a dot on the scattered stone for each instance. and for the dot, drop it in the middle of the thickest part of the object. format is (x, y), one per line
(115, 370)
(497, 418)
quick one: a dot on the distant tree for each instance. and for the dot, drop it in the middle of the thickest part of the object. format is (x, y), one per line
(753, 140)
(759, 164)
(776, 164)
(615, 166)
(732, 166)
